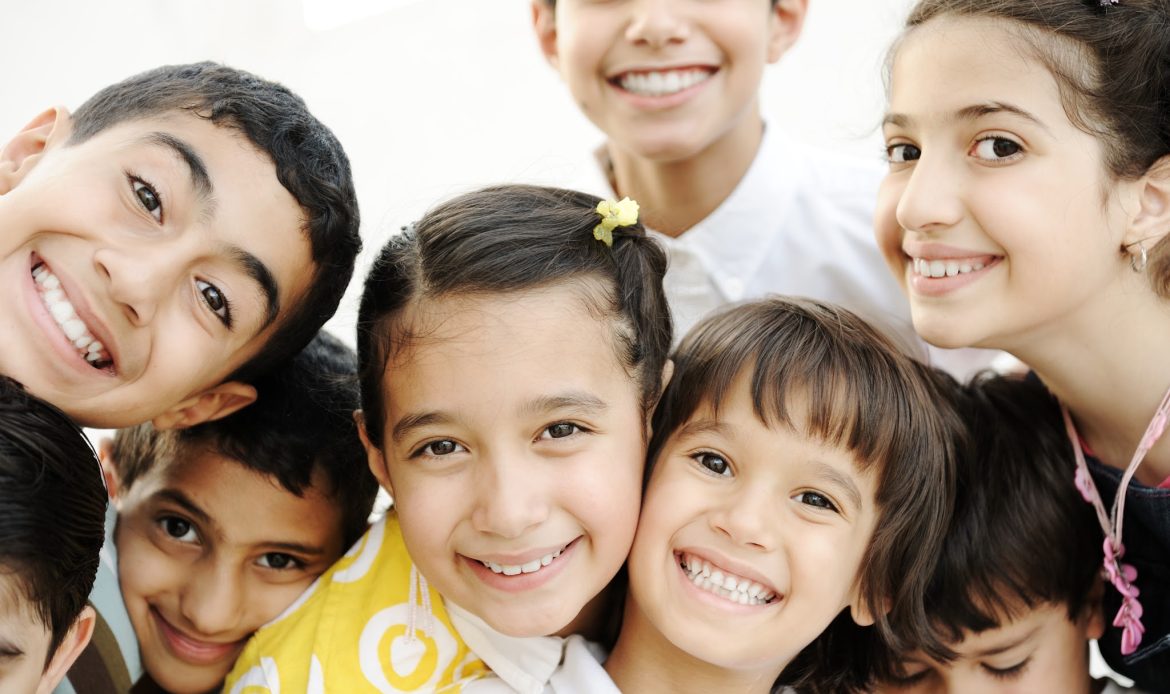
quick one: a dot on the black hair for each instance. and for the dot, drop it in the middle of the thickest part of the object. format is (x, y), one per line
(1021, 535)
(299, 431)
(52, 508)
(515, 238)
(310, 163)
(853, 388)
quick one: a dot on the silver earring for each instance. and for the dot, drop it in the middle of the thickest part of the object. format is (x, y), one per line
(1137, 262)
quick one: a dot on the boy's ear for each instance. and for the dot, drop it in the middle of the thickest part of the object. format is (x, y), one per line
(1151, 221)
(212, 404)
(544, 23)
(1094, 611)
(75, 641)
(22, 152)
(374, 457)
(109, 468)
(787, 23)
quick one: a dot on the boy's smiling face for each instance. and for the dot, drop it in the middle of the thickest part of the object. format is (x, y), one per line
(665, 79)
(783, 516)
(209, 551)
(165, 249)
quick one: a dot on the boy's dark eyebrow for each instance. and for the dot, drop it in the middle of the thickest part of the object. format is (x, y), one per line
(996, 650)
(180, 499)
(201, 181)
(971, 112)
(296, 548)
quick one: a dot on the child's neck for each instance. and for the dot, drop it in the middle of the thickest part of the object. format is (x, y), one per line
(644, 661)
(1109, 365)
(674, 196)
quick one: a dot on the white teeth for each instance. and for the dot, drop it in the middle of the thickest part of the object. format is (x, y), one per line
(734, 588)
(663, 83)
(944, 268)
(65, 315)
(516, 569)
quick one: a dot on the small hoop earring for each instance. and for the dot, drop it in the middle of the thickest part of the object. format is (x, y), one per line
(1137, 262)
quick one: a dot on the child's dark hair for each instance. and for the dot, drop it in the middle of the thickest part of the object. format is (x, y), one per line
(1112, 66)
(310, 163)
(52, 509)
(1021, 535)
(299, 431)
(821, 367)
(515, 238)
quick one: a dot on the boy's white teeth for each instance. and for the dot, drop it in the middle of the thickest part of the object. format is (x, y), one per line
(945, 268)
(743, 591)
(517, 569)
(662, 83)
(66, 318)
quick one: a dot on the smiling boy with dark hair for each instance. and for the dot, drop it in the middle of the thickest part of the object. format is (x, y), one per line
(183, 231)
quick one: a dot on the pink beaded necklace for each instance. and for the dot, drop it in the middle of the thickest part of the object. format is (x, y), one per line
(1122, 576)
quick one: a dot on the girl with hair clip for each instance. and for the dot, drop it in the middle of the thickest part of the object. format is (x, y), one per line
(1026, 208)
(512, 345)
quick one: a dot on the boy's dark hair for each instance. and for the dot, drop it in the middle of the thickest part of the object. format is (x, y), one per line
(310, 163)
(508, 239)
(1112, 66)
(301, 424)
(1021, 535)
(819, 365)
(52, 509)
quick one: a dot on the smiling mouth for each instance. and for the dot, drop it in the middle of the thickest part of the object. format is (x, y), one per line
(725, 584)
(661, 82)
(528, 568)
(950, 267)
(65, 315)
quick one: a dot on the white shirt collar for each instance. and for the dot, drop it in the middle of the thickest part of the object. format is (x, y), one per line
(525, 663)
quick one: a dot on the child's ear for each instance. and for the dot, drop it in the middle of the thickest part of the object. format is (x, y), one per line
(667, 373)
(544, 23)
(105, 452)
(75, 641)
(214, 403)
(22, 152)
(1093, 612)
(1151, 220)
(374, 457)
(787, 23)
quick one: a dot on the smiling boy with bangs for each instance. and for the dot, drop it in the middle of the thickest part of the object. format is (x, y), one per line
(181, 232)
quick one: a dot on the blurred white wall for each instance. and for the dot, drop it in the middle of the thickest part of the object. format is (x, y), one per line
(429, 97)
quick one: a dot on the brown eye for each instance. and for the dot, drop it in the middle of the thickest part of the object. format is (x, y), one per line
(149, 198)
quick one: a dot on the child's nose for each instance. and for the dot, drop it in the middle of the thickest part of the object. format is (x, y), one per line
(657, 23)
(135, 279)
(748, 518)
(931, 199)
(212, 602)
(511, 497)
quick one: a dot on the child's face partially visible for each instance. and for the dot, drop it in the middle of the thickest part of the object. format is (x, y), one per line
(666, 79)
(514, 443)
(158, 245)
(1044, 651)
(24, 641)
(996, 214)
(750, 540)
(208, 551)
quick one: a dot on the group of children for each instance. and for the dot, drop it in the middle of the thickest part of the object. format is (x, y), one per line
(590, 494)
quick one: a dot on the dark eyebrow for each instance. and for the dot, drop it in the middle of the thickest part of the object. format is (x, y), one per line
(695, 427)
(580, 401)
(185, 153)
(996, 650)
(841, 480)
(416, 421)
(180, 499)
(295, 548)
(971, 112)
(261, 275)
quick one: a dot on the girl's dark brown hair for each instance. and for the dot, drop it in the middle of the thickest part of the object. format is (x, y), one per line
(821, 368)
(516, 238)
(1112, 66)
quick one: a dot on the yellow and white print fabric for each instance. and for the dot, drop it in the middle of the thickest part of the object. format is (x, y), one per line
(369, 624)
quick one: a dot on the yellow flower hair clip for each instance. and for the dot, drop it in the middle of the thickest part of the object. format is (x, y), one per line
(614, 215)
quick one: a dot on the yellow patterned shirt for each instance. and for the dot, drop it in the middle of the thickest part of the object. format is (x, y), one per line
(352, 631)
